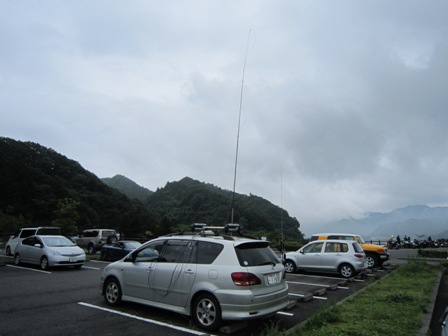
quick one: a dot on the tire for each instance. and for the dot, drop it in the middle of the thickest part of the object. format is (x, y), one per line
(8, 250)
(90, 249)
(290, 266)
(103, 256)
(17, 260)
(372, 260)
(112, 292)
(206, 312)
(346, 271)
(44, 263)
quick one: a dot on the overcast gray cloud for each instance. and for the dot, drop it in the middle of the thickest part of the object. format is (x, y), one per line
(344, 104)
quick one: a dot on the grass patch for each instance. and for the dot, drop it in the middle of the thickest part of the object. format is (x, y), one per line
(395, 304)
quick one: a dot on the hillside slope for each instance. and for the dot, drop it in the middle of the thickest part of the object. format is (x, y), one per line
(41, 187)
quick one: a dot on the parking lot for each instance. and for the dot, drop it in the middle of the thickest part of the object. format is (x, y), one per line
(68, 301)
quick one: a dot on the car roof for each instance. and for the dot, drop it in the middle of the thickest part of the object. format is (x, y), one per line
(333, 241)
(334, 233)
(234, 240)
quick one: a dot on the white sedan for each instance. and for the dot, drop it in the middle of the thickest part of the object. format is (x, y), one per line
(49, 251)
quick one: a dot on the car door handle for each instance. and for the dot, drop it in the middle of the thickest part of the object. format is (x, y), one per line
(189, 271)
(150, 269)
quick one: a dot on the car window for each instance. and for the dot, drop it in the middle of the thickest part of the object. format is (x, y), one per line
(150, 253)
(57, 241)
(108, 233)
(28, 241)
(27, 233)
(313, 248)
(336, 247)
(48, 231)
(255, 254)
(176, 251)
(360, 240)
(207, 252)
(90, 234)
(357, 248)
(313, 238)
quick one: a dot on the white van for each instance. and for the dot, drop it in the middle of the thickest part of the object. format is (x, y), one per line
(27, 232)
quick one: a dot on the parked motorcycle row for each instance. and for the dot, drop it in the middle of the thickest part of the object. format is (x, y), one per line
(418, 244)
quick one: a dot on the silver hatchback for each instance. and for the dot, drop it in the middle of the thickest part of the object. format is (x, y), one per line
(210, 278)
(342, 256)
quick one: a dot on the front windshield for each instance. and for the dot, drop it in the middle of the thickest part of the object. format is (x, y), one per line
(57, 241)
(360, 240)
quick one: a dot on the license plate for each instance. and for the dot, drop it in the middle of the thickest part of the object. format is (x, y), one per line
(273, 279)
(73, 260)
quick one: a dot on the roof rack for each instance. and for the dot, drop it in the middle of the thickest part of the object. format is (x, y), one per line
(227, 229)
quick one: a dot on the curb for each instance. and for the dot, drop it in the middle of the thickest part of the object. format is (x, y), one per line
(424, 330)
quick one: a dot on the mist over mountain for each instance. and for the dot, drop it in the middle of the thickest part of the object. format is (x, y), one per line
(416, 221)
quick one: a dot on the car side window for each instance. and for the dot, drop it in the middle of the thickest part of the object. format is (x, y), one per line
(176, 251)
(313, 248)
(207, 252)
(150, 253)
(27, 233)
(336, 248)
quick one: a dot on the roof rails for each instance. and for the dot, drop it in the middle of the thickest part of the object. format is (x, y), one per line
(207, 229)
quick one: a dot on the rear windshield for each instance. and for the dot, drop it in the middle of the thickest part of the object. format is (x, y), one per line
(256, 254)
(358, 248)
(49, 231)
(108, 233)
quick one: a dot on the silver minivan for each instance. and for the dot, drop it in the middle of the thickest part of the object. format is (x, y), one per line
(23, 233)
(343, 256)
(208, 277)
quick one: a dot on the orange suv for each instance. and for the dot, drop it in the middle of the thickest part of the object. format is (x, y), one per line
(376, 254)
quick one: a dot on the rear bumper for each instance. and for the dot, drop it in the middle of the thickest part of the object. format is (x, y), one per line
(246, 305)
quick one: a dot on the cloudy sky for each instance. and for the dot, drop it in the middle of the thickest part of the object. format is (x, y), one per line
(344, 104)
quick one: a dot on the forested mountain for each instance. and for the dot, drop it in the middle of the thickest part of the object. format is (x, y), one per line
(40, 187)
(128, 187)
(189, 201)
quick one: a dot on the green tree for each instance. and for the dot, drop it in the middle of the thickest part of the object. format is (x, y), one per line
(66, 216)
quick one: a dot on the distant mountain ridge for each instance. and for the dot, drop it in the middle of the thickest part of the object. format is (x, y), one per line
(128, 187)
(416, 221)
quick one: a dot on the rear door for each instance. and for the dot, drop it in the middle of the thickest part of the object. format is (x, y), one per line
(173, 275)
(332, 254)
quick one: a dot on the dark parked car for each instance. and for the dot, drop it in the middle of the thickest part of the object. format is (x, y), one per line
(119, 250)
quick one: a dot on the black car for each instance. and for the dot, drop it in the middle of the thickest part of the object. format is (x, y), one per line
(118, 250)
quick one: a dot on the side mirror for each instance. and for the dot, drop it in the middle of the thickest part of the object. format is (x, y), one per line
(301, 252)
(38, 245)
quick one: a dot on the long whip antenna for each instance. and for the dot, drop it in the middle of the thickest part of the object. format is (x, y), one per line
(239, 126)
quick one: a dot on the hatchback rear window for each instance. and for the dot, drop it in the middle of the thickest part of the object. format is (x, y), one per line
(256, 254)
(358, 248)
(49, 231)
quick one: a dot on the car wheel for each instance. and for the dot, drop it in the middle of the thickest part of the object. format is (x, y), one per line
(346, 270)
(17, 259)
(206, 312)
(44, 263)
(290, 266)
(103, 256)
(8, 250)
(112, 292)
(372, 260)
(90, 249)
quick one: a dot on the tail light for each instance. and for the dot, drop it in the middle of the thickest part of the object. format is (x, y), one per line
(245, 279)
(359, 255)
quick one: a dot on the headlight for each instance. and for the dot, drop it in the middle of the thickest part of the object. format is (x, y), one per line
(55, 253)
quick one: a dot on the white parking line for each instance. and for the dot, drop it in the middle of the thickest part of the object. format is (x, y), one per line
(28, 269)
(314, 297)
(190, 331)
(285, 313)
(94, 268)
(307, 283)
(341, 287)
